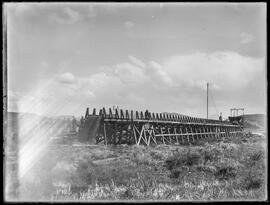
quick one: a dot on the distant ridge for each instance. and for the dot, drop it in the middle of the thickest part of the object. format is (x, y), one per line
(255, 121)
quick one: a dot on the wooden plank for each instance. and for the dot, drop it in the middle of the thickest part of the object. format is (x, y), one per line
(169, 131)
(131, 115)
(105, 136)
(110, 113)
(141, 116)
(140, 135)
(167, 140)
(161, 131)
(100, 112)
(127, 115)
(86, 113)
(153, 116)
(144, 136)
(137, 129)
(176, 135)
(148, 142)
(137, 115)
(104, 112)
(166, 122)
(135, 136)
(116, 115)
(182, 138)
(122, 114)
(154, 135)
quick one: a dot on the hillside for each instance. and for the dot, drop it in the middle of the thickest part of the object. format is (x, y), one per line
(255, 121)
(28, 126)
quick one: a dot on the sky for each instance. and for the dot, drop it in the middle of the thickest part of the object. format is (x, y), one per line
(63, 58)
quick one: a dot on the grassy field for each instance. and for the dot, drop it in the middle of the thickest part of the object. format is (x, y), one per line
(234, 169)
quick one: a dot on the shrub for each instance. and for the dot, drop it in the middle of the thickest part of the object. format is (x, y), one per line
(208, 156)
(225, 173)
(257, 156)
(178, 160)
(83, 176)
(253, 182)
(175, 173)
(157, 156)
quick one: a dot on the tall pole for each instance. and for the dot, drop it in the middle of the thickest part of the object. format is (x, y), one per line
(207, 100)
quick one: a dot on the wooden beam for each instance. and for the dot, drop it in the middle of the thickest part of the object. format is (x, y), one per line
(154, 136)
(176, 135)
(161, 131)
(168, 122)
(105, 136)
(141, 133)
(135, 136)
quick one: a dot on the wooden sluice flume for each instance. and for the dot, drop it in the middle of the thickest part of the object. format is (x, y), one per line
(145, 128)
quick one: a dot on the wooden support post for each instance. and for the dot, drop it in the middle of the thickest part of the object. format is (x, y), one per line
(192, 134)
(176, 136)
(187, 135)
(161, 131)
(207, 131)
(105, 136)
(150, 136)
(153, 135)
(145, 137)
(196, 135)
(141, 134)
(170, 139)
(182, 138)
(135, 137)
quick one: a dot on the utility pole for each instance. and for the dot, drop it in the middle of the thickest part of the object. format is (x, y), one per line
(207, 100)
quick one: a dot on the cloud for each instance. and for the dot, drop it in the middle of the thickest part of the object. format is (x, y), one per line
(246, 38)
(175, 84)
(71, 16)
(159, 71)
(67, 78)
(129, 24)
(137, 61)
(129, 74)
(225, 69)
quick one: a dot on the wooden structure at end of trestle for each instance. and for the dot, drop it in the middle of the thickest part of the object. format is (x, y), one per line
(129, 127)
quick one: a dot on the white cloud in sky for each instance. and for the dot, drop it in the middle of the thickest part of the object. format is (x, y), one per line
(156, 70)
(67, 78)
(175, 84)
(137, 61)
(71, 16)
(222, 68)
(129, 24)
(246, 38)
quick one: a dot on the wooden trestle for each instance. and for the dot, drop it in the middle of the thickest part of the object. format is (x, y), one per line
(144, 128)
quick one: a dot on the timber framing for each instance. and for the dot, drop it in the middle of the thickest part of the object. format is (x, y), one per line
(145, 128)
